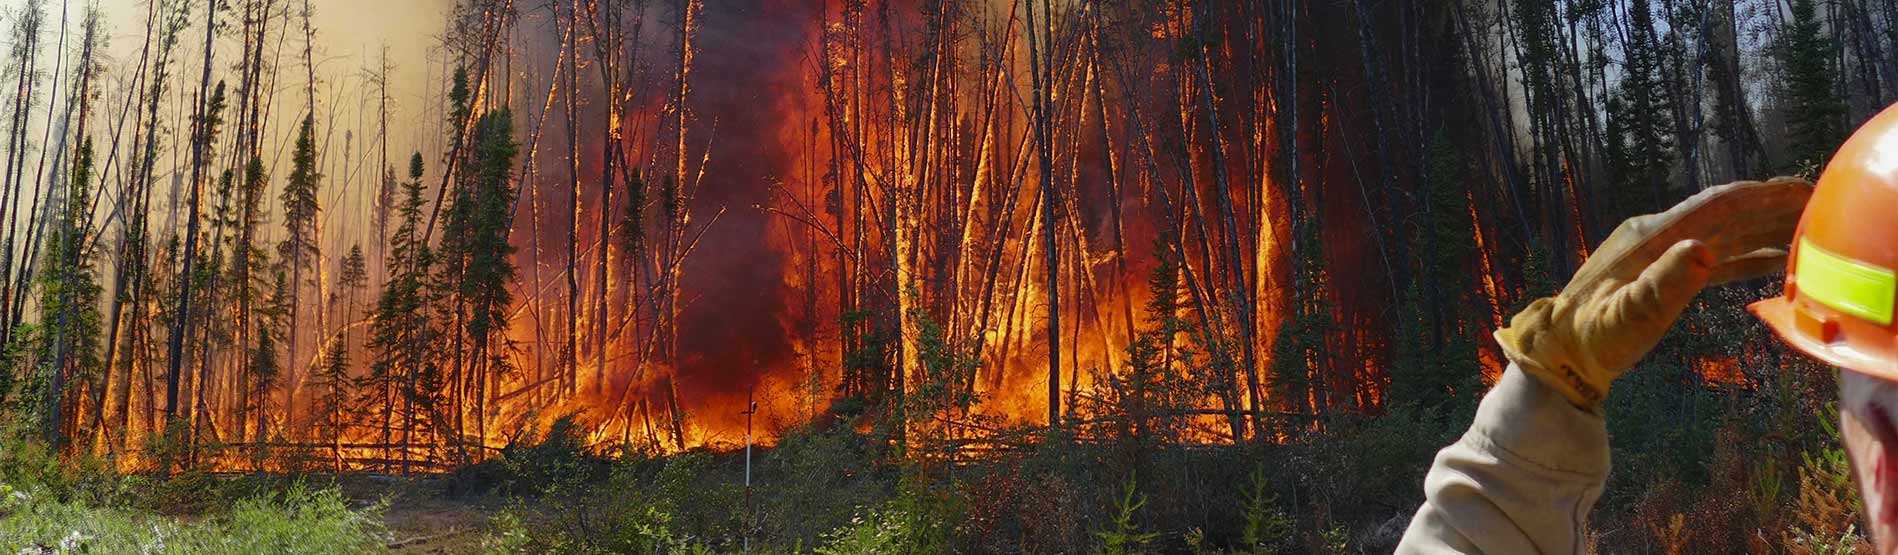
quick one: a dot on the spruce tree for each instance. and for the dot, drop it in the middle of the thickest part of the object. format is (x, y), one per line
(249, 285)
(22, 70)
(352, 277)
(1299, 357)
(266, 367)
(1733, 115)
(299, 246)
(400, 332)
(1436, 364)
(249, 289)
(204, 136)
(1150, 382)
(1640, 139)
(330, 388)
(477, 259)
(263, 372)
(1812, 108)
(332, 383)
(69, 298)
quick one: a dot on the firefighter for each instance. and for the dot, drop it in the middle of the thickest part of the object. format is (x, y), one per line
(1523, 477)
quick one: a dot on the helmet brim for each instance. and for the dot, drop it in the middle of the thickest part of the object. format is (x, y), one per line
(1808, 335)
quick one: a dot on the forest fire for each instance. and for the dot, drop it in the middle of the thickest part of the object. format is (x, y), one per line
(792, 214)
(937, 276)
(636, 219)
(793, 157)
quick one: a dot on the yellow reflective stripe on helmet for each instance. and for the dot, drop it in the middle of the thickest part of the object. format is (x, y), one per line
(1846, 285)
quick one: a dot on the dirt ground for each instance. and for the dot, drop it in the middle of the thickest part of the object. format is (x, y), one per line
(420, 518)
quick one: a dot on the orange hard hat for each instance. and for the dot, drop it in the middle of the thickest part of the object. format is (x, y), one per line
(1842, 275)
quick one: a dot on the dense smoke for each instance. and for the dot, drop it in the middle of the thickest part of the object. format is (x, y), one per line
(731, 331)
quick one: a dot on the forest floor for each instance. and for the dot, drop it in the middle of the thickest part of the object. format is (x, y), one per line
(836, 489)
(420, 516)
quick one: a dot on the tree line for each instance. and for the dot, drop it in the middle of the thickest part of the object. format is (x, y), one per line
(1179, 220)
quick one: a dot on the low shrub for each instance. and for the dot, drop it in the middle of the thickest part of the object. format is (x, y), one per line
(300, 521)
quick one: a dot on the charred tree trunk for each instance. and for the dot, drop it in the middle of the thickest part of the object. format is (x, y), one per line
(1042, 72)
(201, 138)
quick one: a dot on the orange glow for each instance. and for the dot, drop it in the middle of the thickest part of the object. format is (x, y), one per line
(1721, 371)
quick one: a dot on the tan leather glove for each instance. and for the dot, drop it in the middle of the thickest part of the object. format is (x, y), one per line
(1626, 296)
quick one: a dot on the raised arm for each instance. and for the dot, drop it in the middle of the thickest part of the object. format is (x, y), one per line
(1525, 475)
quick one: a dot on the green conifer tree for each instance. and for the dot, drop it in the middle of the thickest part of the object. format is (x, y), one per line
(1436, 364)
(332, 383)
(1299, 357)
(263, 371)
(477, 267)
(400, 331)
(69, 299)
(1640, 150)
(1813, 109)
(299, 247)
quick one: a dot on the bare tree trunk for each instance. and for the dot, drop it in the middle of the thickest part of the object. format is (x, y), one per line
(606, 48)
(570, 358)
(200, 142)
(132, 254)
(1229, 224)
(676, 215)
(102, 432)
(1041, 77)
(73, 227)
(25, 61)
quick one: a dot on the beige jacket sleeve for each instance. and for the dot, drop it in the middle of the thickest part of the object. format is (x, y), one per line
(1521, 480)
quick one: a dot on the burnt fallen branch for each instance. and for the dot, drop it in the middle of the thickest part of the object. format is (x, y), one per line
(419, 540)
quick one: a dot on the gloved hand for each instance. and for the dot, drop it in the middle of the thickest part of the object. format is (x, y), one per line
(1626, 296)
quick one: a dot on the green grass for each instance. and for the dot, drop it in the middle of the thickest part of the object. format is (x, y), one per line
(297, 521)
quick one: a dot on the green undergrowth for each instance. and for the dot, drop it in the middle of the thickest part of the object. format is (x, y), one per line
(299, 520)
(77, 504)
